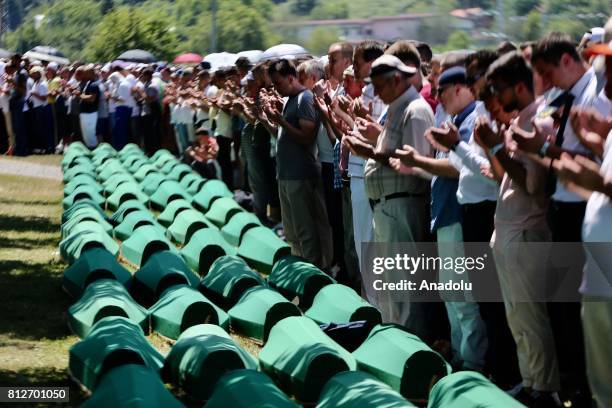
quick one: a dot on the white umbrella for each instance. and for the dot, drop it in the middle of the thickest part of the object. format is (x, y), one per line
(254, 56)
(284, 51)
(220, 59)
(48, 54)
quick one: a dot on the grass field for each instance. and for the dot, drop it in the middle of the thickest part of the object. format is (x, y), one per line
(34, 335)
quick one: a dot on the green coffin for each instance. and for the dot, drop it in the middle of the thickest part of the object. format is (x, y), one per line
(190, 178)
(204, 247)
(144, 242)
(227, 280)
(337, 303)
(133, 386)
(75, 161)
(79, 205)
(74, 157)
(85, 214)
(212, 190)
(102, 298)
(80, 169)
(77, 242)
(179, 171)
(172, 210)
(169, 165)
(113, 341)
(201, 355)
(102, 158)
(104, 148)
(258, 311)
(111, 168)
(168, 191)
(129, 149)
(133, 221)
(401, 360)
(81, 180)
(196, 186)
(356, 389)
(142, 172)
(181, 307)
(248, 389)
(126, 208)
(163, 270)
(93, 264)
(124, 192)
(129, 160)
(161, 161)
(150, 183)
(159, 153)
(115, 181)
(262, 248)
(237, 225)
(467, 389)
(135, 166)
(292, 277)
(186, 224)
(301, 358)
(82, 192)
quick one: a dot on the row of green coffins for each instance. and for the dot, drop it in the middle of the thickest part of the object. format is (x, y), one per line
(300, 360)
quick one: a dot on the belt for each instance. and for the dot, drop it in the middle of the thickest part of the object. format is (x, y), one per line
(393, 196)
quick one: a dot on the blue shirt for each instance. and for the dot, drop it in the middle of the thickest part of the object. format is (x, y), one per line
(445, 209)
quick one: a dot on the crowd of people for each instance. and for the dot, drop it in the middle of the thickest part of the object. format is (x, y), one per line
(389, 143)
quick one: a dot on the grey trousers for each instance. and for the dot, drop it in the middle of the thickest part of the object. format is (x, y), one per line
(305, 220)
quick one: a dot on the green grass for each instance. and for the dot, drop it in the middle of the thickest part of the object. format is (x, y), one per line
(34, 335)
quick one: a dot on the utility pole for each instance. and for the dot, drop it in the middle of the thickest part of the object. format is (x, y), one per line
(213, 29)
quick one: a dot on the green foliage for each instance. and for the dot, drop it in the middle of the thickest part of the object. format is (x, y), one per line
(24, 39)
(458, 40)
(132, 27)
(320, 39)
(302, 7)
(532, 27)
(575, 28)
(523, 7)
(330, 10)
(241, 28)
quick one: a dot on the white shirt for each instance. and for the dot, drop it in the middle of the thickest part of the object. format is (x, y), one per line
(124, 92)
(468, 159)
(4, 97)
(597, 279)
(324, 146)
(585, 93)
(137, 109)
(355, 163)
(41, 89)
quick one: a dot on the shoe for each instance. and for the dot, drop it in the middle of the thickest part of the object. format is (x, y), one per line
(10, 150)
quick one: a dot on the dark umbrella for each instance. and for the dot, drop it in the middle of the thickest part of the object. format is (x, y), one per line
(137, 56)
(5, 53)
(45, 53)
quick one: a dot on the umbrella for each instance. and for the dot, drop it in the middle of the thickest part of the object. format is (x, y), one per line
(189, 58)
(137, 56)
(5, 53)
(220, 59)
(45, 53)
(284, 51)
(254, 56)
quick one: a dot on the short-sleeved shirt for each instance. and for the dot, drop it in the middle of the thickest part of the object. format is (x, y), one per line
(152, 91)
(296, 161)
(41, 89)
(408, 117)
(90, 88)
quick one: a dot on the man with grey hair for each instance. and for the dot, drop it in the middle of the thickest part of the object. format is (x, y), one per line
(400, 203)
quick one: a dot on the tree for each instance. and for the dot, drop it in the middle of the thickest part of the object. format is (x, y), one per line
(132, 27)
(302, 7)
(523, 7)
(330, 10)
(241, 28)
(532, 27)
(458, 40)
(23, 39)
(320, 40)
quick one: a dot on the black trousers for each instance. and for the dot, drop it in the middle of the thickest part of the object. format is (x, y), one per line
(151, 133)
(4, 141)
(333, 202)
(224, 158)
(501, 358)
(565, 221)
